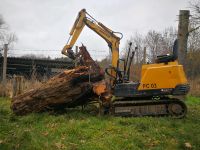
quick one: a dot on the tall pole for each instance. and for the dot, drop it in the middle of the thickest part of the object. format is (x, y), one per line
(183, 35)
(4, 69)
(5, 64)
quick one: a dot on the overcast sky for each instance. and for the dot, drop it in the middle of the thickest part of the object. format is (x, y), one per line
(45, 24)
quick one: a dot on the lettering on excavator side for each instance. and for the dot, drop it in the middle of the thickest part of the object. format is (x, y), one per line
(150, 85)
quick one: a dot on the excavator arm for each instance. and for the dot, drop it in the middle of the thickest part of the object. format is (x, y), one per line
(107, 34)
(75, 32)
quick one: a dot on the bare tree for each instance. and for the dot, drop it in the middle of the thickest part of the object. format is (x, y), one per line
(2, 22)
(193, 62)
(195, 8)
(137, 40)
(169, 36)
(154, 42)
(194, 39)
(3, 27)
(194, 31)
(160, 43)
(6, 37)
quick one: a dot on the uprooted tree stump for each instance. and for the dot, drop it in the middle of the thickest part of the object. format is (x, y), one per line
(70, 88)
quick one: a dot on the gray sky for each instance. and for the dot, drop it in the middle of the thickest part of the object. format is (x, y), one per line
(45, 24)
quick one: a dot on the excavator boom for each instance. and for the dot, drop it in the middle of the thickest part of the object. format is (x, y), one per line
(84, 19)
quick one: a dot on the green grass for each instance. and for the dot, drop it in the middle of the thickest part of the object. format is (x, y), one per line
(82, 130)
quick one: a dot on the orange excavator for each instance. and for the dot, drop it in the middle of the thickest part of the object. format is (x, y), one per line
(154, 95)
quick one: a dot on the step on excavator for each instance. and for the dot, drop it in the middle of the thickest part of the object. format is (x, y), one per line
(160, 84)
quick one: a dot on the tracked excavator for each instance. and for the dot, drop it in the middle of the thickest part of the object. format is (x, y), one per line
(160, 84)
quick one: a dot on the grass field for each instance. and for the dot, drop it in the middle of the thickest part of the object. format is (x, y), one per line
(82, 130)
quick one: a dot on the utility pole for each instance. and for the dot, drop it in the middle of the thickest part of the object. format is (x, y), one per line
(4, 67)
(183, 35)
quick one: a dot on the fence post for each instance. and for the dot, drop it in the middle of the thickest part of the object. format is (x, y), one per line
(18, 85)
(34, 73)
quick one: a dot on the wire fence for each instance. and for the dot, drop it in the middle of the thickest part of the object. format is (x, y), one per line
(52, 53)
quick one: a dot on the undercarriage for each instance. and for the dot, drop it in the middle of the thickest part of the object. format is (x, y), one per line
(149, 107)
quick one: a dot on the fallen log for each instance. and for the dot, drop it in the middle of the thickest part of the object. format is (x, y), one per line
(67, 89)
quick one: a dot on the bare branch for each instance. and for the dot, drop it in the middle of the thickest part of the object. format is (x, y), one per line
(195, 8)
(8, 38)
